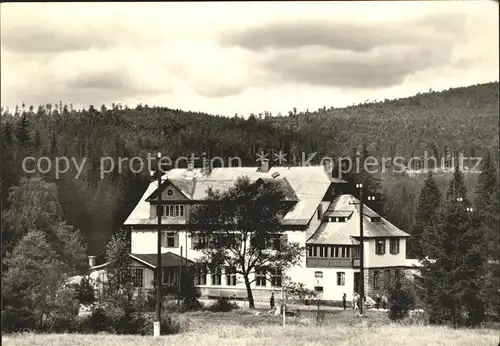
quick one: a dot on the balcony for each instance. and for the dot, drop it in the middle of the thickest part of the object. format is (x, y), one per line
(319, 262)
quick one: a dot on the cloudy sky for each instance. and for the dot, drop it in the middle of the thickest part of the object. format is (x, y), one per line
(228, 58)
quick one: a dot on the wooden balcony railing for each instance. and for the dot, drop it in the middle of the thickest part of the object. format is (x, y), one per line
(320, 262)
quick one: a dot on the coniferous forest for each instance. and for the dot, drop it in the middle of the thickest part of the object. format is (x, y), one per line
(461, 120)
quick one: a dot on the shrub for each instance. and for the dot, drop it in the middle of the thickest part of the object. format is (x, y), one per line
(168, 325)
(85, 291)
(191, 304)
(98, 321)
(401, 301)
(222, 304)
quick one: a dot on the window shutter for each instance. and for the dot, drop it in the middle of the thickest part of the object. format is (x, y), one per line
(176, 239)
(163, 239)
(194, 240)
(284, 240)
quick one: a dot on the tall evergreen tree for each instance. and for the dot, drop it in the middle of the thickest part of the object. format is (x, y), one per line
(486, 219)
(428, 205)
(452, 275)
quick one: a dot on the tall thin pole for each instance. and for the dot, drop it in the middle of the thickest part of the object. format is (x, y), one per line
(180, 279)
(361, 252)
(283, 303)
(158, 249)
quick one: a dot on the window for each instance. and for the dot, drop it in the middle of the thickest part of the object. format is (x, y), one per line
(310, 251)
(170, 239)
(170, 192)
(231, 276)
(380, 246)
(344, 252)
(169, 277)
(318, 274)
(375, 279)
(179, 210)
(323, 251)
(260, 277)
(134, 275)
(394, 246)
(137, 275)
(375, 219)
(355, 252)
(337, 252)
(340, 279)
(276, 278)
(278, 241)
(315, 251)
(201, 277)
(199, 240)
(217, 277)
(318, 288)
(173, 210)
(387, 278)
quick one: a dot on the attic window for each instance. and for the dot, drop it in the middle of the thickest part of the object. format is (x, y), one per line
(170, 192)
(337, 219)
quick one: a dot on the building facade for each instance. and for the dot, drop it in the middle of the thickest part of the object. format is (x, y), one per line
(323, 217)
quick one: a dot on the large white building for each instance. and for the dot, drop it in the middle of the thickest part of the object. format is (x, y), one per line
(322, 217)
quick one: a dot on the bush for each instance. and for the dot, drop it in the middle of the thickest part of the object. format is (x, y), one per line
(401, 301)
(97, 321)
(85, 293)
(223, 304)
(191, 304)
(168, 325)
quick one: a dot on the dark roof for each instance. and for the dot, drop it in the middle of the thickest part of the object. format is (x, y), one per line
(168, 259)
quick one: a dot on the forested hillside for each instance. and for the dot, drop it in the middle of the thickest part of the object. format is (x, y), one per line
(463, 119)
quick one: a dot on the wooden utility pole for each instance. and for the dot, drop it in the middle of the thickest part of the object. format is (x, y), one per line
(361, 252)
(180, 280)
(159, 212)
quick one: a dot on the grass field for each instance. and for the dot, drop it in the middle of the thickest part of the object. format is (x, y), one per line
(240, 328)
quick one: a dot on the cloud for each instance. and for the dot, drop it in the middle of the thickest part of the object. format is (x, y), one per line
(27, 38)
(239, 57)
(350, 54)
(343, 34)
(374, 69)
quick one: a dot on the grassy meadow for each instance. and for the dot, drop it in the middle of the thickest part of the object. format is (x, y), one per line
(246, 328)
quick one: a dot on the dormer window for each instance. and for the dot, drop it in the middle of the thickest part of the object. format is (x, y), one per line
(376, 219)
(337, 219)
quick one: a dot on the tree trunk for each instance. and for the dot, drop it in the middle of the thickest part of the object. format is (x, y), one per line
(251, 303)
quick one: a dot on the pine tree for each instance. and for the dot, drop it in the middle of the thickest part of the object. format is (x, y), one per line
(486, 219)
(22, 132)
(428, 205)
(452, 277)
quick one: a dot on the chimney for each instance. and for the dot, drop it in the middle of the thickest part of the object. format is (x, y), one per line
(320, 212)
(190, 165)
(91, 261)
(264, 166)
(207, 166)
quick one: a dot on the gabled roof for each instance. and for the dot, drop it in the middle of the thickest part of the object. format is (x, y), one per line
(347, 233)
(168, 259)
(307, 185)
